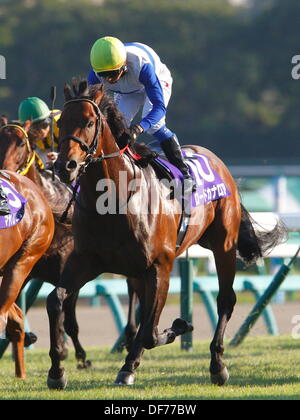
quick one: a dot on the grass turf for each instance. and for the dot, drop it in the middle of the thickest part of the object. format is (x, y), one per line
(260, 368)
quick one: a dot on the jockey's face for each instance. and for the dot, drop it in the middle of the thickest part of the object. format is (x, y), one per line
(39, 131)
(113, 76)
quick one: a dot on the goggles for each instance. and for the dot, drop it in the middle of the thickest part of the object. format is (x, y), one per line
(111, 73)
(41, 125)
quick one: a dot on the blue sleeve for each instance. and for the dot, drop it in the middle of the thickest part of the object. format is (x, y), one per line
(92, 78)
(154, 92)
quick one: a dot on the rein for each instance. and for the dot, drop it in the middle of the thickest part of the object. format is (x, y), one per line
(34, 157)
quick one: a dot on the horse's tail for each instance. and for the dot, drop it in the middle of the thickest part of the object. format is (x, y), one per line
(254, 241)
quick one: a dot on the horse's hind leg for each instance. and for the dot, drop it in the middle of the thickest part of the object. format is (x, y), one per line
(222, 237)
(226, 300)
(16, 334)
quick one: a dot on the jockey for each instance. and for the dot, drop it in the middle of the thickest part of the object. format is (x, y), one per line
(36, 110)
(137, 77)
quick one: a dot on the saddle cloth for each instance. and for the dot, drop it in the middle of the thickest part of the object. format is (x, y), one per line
(16, 204)
(210, 186)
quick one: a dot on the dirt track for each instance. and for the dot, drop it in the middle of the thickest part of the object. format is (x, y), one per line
(97, 327)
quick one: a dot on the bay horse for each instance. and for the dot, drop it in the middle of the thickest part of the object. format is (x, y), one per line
(140, 246)
(21, 246)
(17, 154)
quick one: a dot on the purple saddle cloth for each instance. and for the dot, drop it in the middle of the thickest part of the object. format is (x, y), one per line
(16, 204)
(210, 186)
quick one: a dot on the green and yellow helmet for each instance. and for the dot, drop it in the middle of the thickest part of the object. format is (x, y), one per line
(33, 109)
(107, 54)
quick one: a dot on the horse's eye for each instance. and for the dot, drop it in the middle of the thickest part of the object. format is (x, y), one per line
(90, 124)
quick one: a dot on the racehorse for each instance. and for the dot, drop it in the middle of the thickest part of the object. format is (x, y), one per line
(21, 246)
(17, 154)
(139, 245)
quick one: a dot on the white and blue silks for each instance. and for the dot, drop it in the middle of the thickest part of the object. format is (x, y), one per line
(147, 84)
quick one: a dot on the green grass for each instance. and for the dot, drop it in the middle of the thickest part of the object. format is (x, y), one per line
(260, 368)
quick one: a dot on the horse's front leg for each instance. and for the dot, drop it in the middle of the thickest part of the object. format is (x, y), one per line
(131, 327)
(78, 270)
(72, 329)
(15, 273)
(152, 290)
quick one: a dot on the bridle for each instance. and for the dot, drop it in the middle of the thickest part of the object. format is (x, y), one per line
(91, 149)
(32, 155)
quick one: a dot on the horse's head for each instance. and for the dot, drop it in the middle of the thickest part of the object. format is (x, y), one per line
(79, 130)
(15, 148)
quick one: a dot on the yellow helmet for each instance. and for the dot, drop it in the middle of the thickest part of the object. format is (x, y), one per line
(107, 54)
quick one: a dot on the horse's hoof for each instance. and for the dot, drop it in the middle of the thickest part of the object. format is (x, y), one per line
(30, 338)
(125, 378)
(84, 364)
(220, 378)
(60, 383)
(180, 326)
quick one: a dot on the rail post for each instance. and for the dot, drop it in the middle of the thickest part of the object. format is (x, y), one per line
(263, 302)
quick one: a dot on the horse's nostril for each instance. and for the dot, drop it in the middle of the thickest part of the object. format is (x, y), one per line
(71, 165)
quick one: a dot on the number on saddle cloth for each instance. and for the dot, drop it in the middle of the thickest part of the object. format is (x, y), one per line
(16, 204)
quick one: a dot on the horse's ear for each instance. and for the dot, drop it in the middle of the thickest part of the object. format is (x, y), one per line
(67, 92)
(3, 120)
(27, 125)
(75, 86)
(99, 95)
(83, 88)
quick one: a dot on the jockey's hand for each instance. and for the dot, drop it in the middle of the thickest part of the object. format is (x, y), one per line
(135, 131)
(52, 156)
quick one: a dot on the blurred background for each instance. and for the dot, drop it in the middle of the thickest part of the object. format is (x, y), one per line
(230, 60)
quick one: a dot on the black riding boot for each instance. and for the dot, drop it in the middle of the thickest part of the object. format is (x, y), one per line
(4, 207)
(172, 150)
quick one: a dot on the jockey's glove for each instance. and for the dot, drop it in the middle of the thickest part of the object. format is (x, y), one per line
(135, 131)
